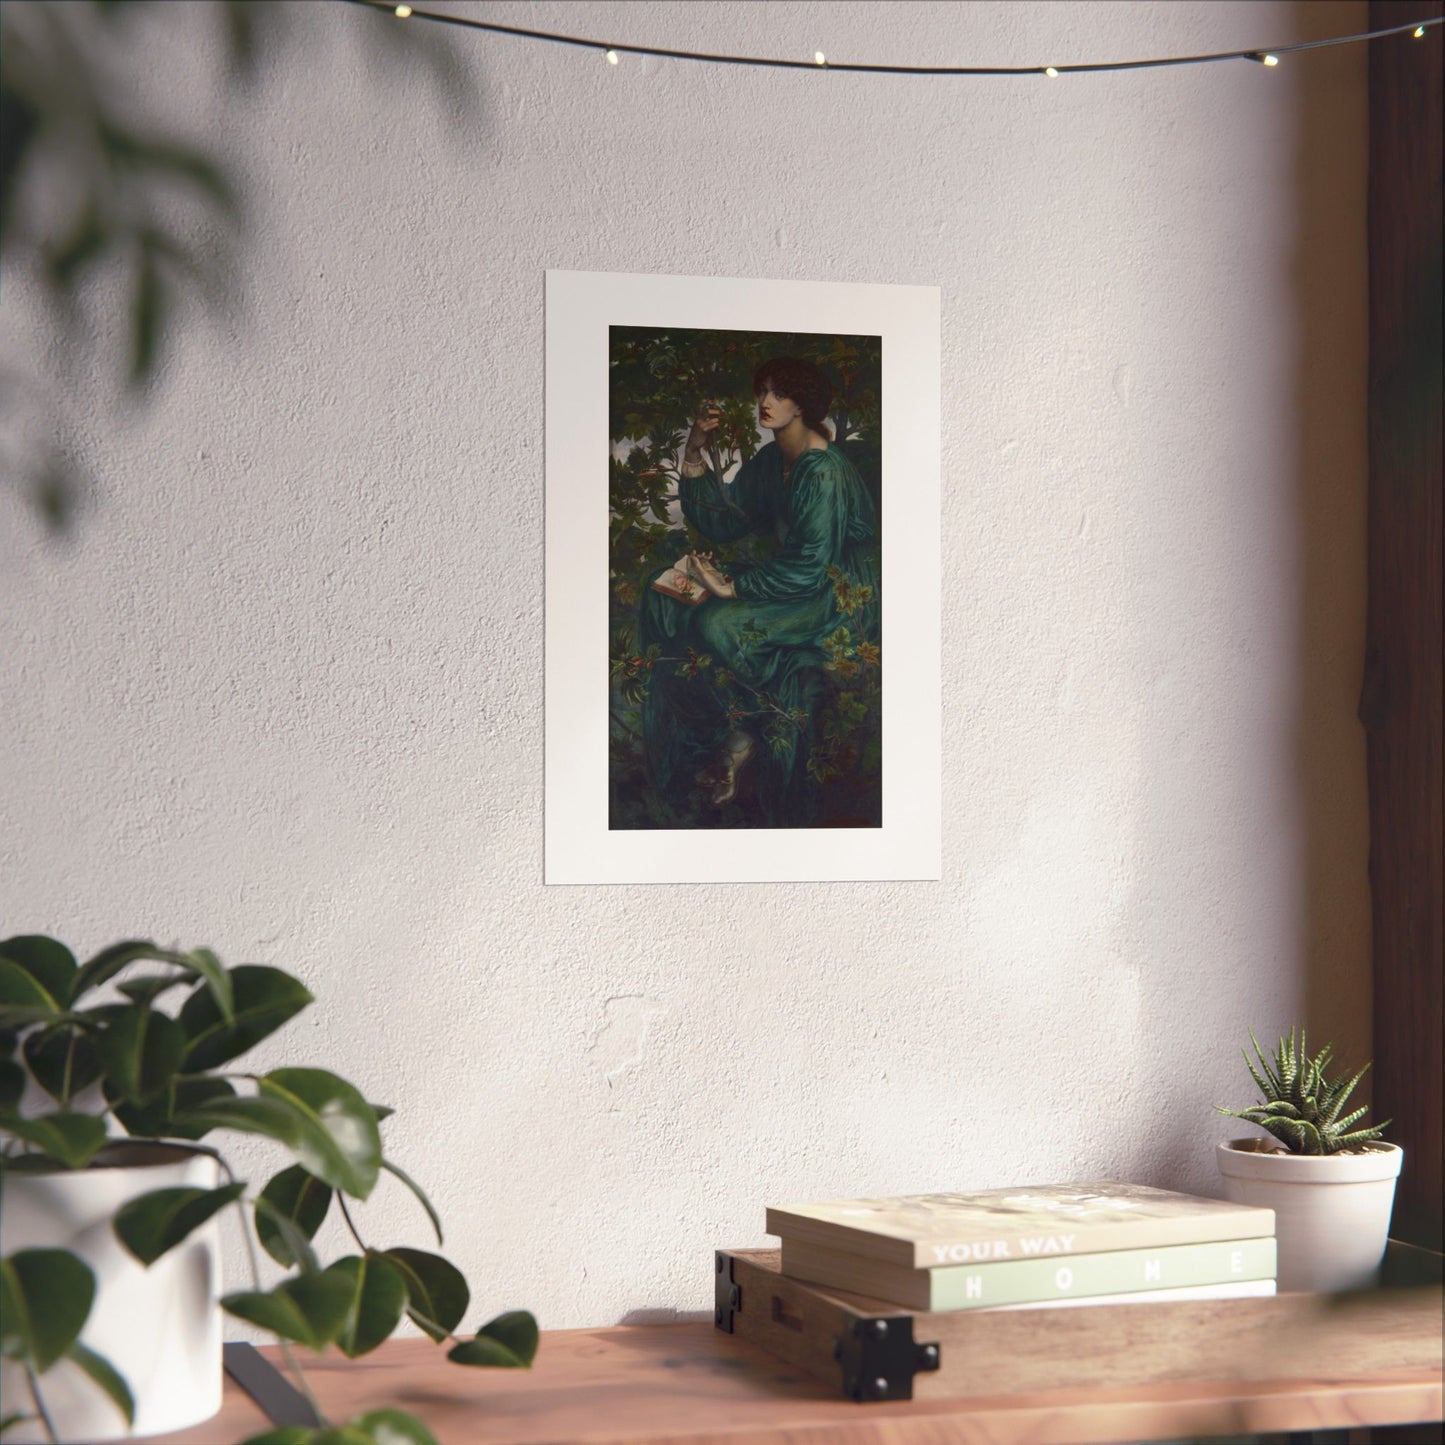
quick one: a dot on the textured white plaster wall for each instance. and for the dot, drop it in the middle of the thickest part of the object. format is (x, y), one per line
(281, 693)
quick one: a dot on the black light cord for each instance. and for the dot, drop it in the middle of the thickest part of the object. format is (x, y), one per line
(613, 49)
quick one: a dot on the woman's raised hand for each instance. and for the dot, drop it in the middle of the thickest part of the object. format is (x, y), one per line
(716, 582)
(709, 416)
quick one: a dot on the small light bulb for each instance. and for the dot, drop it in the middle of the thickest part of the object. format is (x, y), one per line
(1271, 60)
(612, 57)
(1051, 72)
(819, 58)
(1419, 32)
(402, 11)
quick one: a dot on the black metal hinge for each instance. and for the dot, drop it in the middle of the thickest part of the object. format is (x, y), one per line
(880, 1358)
(727, 1296)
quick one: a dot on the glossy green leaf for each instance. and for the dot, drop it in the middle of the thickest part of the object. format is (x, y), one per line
(393, 1427)
(283, 1435)
(218, 980)
(199, 963)
(45, 1299)
(64, 1060)
(310, 1309)
(148, 314)
(268, 1117)
(20, 1015)
(73, 1139)
(141, 1051)
(84, 240)
(378, 1296)
(264, 999)
(9, 1422)
(342, 1435)
(437, 1294)
(486, 1353)
(416, 1189)
(278, 1116)
(23, 998)
(154, 1223)
(341, 1143)
(51, 964)
(148, 989)
(12, 1085)
(507, 1342)
(160, 1117)
(299, 1197)
(174, 162)
(517, 1331)
(106, 1376)
(109, 962)
(14, 1325)
(286, 1233)
(382, 1111)
(10, 1040)
(97, 1016)
(188, 1094)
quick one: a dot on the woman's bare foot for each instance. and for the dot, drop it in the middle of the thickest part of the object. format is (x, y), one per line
(737, 753)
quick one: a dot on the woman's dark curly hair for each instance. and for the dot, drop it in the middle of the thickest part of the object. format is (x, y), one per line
(801, 383)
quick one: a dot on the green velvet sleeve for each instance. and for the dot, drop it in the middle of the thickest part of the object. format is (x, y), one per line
(817, 536)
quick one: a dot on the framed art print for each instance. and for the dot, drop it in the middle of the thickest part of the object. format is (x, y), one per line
(742, 559)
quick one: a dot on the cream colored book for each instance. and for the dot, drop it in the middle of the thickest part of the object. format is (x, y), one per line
(924, 1231)
(1027, 1281)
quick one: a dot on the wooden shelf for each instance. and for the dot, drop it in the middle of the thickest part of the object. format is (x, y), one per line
(668, 1384)
(874, 1352)
(1135, 1372)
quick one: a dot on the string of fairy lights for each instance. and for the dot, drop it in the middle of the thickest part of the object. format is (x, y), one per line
(612, 51)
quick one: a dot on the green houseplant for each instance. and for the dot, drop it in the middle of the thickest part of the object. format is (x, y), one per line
(1330, 1182)
(132, 1057)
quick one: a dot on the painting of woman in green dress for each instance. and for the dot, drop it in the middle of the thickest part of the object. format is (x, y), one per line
(746, 668)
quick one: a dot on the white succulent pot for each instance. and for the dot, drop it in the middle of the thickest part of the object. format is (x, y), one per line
(160, 1327)
(1331, 1211)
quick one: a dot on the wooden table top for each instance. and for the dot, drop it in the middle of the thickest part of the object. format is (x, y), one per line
(691, 1384)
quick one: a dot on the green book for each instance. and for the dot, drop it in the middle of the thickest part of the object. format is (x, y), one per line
(1034, 1281)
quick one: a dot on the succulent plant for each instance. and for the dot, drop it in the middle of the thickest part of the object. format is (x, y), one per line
(1301, 1108)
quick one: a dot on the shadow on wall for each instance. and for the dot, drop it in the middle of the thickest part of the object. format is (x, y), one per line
(1331, 485)
(1299, 750)
(116, 225)
(666, 1317)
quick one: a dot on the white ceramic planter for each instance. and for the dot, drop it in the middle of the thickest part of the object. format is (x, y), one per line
(160, 1327)
(1331, 1212)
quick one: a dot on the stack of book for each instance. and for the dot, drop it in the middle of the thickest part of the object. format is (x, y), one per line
(1099, 1243)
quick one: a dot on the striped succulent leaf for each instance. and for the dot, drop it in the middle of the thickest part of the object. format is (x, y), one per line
(1299, 1105)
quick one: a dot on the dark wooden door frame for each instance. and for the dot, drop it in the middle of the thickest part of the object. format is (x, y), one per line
(1400, 700)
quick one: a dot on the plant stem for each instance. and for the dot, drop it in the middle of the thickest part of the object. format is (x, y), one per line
(255, 1262)
(69, 1068)
(294, 1365)
(346, 1215)
(39, 1403)
(251, 1256)
(361, 1244)
(768, 704)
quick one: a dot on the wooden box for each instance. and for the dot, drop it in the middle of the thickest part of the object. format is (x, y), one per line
(873, 1350)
